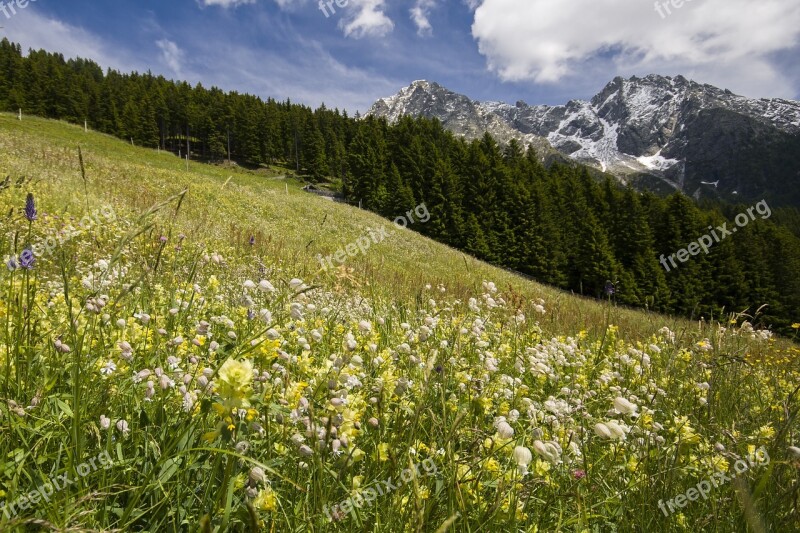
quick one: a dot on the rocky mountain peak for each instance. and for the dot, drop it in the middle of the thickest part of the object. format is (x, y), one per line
(667, 130)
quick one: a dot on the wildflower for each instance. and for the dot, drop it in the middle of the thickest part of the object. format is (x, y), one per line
(383, 451)
(579, 474)
(611, 430)
(252, 240)
(61, 347)
(522, 457)
(105, 422)
(364, 326)
(257, 475)
(30, 208)
(505, 430)
(122, 425)
(549, 451)
(242, 447)
(266, 500)
(306, 451)
(12, 264)
(265, 286)
(27, 259)
(617, 430)
(108, 369)
(609, 289)
(795, 451)
(796, 325)
(235, 379)
(296, 284)
(624, 407)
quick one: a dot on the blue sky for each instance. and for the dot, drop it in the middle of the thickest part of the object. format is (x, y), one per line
(540, 51)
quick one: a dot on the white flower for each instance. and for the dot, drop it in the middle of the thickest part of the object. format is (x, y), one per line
(306, 451)
(257, 475)
(122, 425)
(624, 407)
(795, 451)
(603, 431)
(296, 311)
(296, 283)
(617, 430)
(364, 326)
(105, 422)
(108, 369)
(265, 286)
(522, 457)
(549, 451)
(248, 284)
(505, 430)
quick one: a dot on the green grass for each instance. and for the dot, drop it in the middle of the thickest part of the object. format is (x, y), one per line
(423, 372)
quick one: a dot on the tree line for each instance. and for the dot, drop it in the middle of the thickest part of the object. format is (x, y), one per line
(558, 224)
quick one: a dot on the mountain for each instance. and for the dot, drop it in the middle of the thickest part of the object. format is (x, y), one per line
(656, 132)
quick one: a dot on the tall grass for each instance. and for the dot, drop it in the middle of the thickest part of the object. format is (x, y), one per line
(239, 387)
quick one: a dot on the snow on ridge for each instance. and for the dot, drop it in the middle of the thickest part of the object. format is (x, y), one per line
(657, 162)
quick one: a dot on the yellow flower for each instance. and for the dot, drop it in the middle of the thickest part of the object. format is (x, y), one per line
(492, 465)
(280, 448)
(796, 325)
(765, 432)
(234, 384)
(266, 500)
(383, 452)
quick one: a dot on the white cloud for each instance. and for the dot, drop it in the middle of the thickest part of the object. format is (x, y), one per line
(366, 18)
(226, 3)
(724, 42)
(171, 55)
(33, 30)
(420, 13)
(234, 67)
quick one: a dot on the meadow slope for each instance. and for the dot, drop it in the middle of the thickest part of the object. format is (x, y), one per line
(186, 337)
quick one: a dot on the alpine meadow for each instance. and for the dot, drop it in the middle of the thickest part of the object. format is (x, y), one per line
(226, 306)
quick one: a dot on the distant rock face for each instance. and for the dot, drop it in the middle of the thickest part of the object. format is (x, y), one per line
(657, 132)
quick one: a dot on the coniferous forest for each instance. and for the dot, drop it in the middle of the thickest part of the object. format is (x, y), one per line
(558, 224)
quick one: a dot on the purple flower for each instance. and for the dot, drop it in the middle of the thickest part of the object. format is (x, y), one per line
(252, 240)
(30, 208)
(610, 289)
(27, 259)
(12, 264)
(163, 238)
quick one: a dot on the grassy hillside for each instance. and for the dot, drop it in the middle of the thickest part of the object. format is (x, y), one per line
(237, 386)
